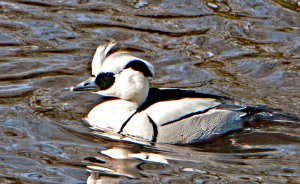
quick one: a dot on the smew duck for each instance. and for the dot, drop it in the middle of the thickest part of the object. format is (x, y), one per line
(132, 108)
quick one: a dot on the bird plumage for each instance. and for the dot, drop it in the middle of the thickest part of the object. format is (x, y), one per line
(158, 115)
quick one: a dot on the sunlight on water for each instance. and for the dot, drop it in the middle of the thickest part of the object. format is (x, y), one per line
(247, 50)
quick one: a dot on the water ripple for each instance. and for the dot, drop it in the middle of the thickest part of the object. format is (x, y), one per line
(247, 50)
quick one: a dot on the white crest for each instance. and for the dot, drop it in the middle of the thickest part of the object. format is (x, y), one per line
(104, 61)
(100, 56)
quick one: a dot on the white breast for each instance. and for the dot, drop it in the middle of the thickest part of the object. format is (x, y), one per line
(111, 114)
(140, 126)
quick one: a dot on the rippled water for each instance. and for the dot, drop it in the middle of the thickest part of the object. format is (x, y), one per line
(248, 50)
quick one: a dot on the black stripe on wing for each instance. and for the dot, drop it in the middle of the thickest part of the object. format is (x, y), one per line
(188, 115)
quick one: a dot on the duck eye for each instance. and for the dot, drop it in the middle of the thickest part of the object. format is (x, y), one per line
(105, 80)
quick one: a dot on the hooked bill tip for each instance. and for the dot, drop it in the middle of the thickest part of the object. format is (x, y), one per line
(72, 88)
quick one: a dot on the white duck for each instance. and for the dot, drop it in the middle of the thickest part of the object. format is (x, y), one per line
(158, 115)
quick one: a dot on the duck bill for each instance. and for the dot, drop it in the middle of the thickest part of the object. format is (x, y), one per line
(87, 85)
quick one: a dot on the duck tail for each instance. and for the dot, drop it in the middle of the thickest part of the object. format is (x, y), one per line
(253, 110)
(261, 113)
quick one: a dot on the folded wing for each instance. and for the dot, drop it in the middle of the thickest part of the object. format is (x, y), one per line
(188, 117)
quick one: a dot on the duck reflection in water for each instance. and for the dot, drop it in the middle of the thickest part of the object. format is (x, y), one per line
(130, 164)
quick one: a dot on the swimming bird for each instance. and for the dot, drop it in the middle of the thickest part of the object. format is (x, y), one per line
(161, 115)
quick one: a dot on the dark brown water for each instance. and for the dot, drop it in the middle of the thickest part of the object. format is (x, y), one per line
(248, 50)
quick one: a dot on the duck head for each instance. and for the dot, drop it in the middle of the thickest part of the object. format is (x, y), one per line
(119, 74)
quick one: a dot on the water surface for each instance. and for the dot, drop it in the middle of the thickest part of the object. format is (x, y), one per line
(247, 50)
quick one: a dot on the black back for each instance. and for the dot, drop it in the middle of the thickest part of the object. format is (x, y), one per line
(157, 95)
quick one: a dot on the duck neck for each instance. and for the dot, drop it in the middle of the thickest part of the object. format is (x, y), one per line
(141, 95)
(134, 91)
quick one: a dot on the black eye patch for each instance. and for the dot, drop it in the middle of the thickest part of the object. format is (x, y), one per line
(105, 80)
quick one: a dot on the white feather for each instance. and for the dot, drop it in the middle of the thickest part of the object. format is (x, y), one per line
(100, 56)
(111, 114)
(116, 62)
(166, 111)
(97, 60)
(129, 85)
(139, 126)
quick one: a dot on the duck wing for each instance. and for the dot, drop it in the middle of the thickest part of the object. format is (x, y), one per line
(184, 116)
(166, 106)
